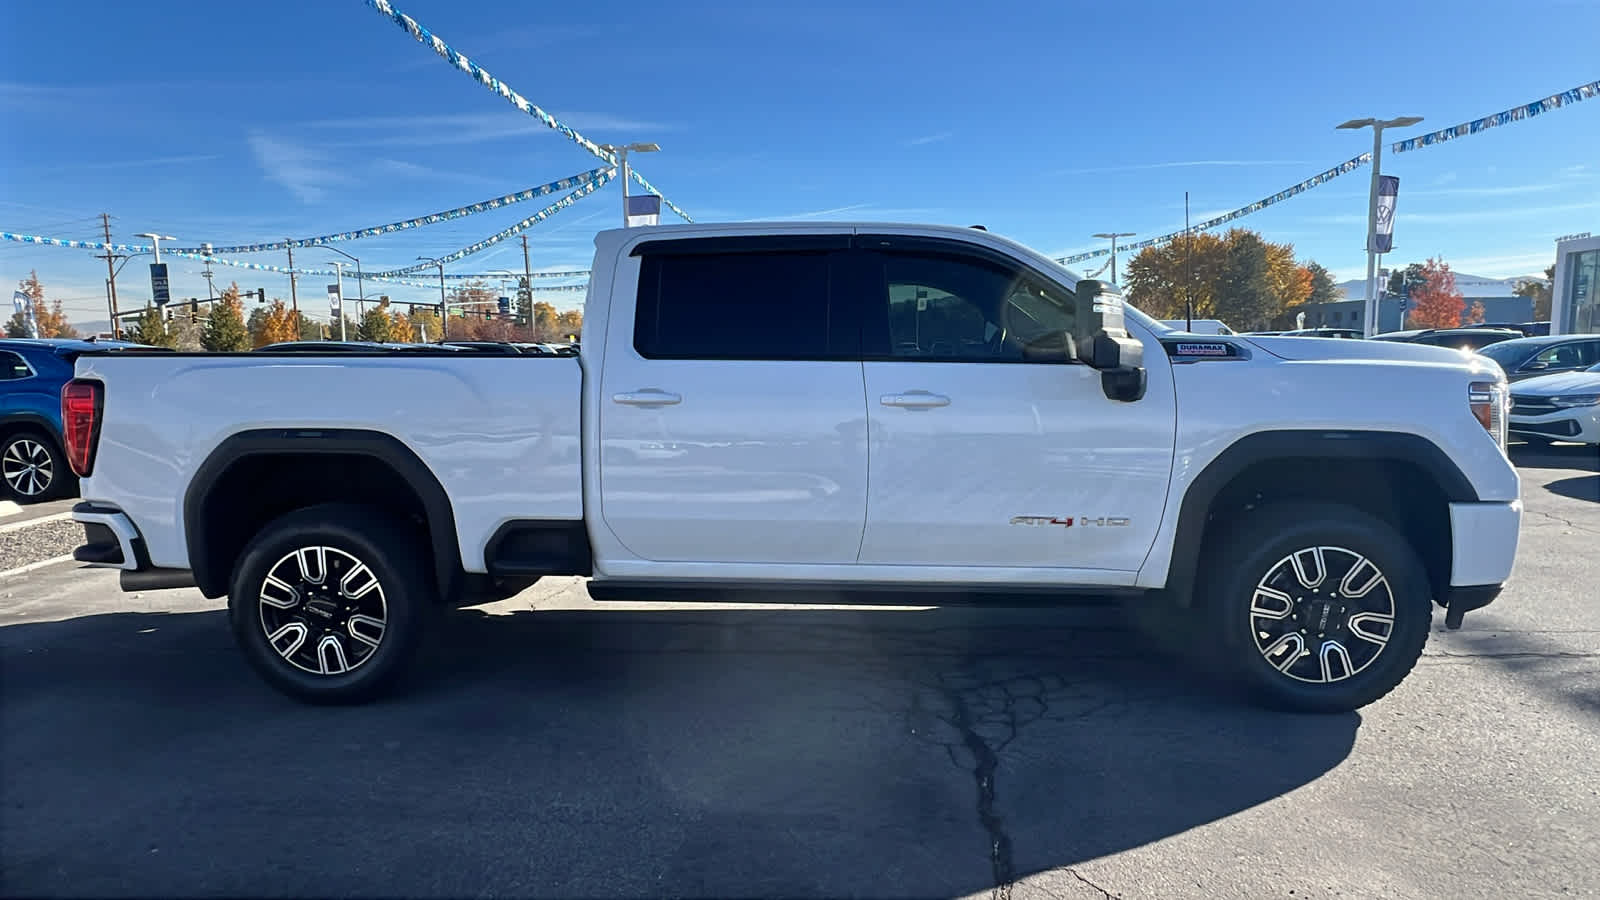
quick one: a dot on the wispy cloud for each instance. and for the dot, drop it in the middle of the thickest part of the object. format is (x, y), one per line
(1506, 265)
(392, 168)
(929, 139)
(303, 169)
(1185, 164)
(1581, 170)
(471, 128)
(1444, 178)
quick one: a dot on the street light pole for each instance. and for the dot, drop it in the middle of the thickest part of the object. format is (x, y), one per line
(338, 275)
(361, 284)
(621, 152)
(1369, 306)
(1113, 235)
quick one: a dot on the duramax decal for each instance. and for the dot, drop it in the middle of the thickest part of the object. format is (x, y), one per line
(1203, 349)
(1042, 520)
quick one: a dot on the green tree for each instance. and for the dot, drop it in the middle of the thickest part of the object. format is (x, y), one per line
(1245, 297)
(1323, 290)
(376, 324)
(151, 328)
(308, 329)
(224, 330)
(1408, 279)
(1541, 292)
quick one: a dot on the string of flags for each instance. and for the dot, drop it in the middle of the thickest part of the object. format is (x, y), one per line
(1316, 180)
(593, 185)
(542, 190)
(504, 91)
(1514, 114)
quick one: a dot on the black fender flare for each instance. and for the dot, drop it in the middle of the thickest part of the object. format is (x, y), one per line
(32, 420)
(1264, 446)
(344, 442)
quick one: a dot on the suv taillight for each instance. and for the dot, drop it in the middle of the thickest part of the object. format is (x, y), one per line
(81, 403)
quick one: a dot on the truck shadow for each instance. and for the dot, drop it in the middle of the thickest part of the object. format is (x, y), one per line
(619, 753)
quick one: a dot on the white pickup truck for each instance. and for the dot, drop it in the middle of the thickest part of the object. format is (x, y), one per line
(785, 411)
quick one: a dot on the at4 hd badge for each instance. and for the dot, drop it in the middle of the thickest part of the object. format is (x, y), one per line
(1069, 521)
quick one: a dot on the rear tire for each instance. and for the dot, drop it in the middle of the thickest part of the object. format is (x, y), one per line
(1318, 607)
(329, 603)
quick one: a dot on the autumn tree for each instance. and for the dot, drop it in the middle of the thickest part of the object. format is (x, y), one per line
(400, 329)
(276, 326)
(426, 324)
(224, 330)
(569, 325)
(1540, 292)
(1161, 279)
(1476, 314)
(51, 321)
(1436, 303)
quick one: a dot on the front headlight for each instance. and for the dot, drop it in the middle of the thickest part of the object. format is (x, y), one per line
(1570, 400)
(1490, 402)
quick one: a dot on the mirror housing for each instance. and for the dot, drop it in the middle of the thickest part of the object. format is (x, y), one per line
(1103, 342)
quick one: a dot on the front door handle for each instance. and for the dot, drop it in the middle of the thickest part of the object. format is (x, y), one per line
(647, 397)
(915, 400)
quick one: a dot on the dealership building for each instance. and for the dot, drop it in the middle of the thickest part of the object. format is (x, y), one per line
(1575, 306)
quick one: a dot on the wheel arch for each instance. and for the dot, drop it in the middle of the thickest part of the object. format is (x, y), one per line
(30, 421)
(213, 552)
(1396, 475)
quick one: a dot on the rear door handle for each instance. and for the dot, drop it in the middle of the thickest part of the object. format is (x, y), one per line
(647, 397)
(915, 400)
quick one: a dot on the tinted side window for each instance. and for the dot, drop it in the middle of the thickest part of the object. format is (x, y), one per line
(962, 309)
(755, 305)
(1563, 356)
(13, 366)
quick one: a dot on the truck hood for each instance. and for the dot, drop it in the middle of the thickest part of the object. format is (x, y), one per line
(1309, 348)
(1562, 383)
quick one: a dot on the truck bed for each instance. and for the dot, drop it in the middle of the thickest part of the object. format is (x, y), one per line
(501, 433)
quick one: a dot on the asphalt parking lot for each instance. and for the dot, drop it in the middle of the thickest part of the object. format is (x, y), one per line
(559, 748)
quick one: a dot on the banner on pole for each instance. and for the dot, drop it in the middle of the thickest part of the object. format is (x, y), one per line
(160, 289)
(644, 209)
(24, 307)
(335, 302)
(1382, 238)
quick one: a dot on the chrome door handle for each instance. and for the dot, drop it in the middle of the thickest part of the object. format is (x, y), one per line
(647, 397)
(915, 400)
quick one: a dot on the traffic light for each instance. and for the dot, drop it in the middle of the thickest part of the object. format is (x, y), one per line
(261, 295)
(488, 314)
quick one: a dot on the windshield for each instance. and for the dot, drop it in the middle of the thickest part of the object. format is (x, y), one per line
(1506, 353)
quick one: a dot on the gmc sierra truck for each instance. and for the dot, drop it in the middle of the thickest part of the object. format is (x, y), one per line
(847, 409)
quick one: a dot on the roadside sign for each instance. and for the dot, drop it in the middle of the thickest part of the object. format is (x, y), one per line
(160, 290)
(505, 306)
(335, 301)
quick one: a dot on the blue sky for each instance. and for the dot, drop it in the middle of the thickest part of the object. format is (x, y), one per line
(1045, 121)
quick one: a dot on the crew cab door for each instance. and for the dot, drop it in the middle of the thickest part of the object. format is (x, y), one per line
(732, 413)
(979, 458)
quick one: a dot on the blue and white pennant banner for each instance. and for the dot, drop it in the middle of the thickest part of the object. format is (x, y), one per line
(496, 86)
(1515, 114)
(496, 238)
(564, 184)
(1320, 178)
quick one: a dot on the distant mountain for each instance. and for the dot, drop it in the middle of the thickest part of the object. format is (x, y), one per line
(1468, 285)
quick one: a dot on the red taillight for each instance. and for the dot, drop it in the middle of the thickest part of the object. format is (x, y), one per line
(80, 423)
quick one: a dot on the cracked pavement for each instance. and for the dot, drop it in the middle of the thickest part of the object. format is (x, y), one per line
(556, 747)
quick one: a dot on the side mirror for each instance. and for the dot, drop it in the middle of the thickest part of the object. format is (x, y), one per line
(1535, 365)
(1103, 342)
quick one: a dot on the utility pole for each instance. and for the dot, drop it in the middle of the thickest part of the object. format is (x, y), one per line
(294, 300)
(111, 280)
(1113, 235)
(444, 311)
(211, 289)
(621, 153)
(525, 296)
(338, 269)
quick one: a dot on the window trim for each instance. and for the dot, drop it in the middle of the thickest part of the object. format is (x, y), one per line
(876, 341)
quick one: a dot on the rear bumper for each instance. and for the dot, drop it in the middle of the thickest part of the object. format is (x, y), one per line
(111, 540)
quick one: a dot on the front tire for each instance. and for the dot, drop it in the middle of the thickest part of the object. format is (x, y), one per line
(33, 468)
(1319, 607)
(329, 603)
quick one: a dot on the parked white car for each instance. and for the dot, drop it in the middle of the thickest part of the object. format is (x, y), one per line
(1198, 326)
(1563, 407)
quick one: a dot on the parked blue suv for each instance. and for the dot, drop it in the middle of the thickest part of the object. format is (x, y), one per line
(32, 371)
